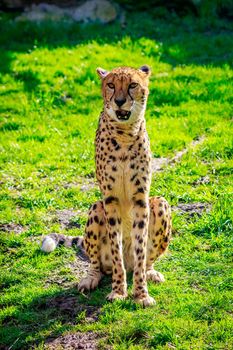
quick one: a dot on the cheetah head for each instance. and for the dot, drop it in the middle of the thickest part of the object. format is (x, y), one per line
(125, 92)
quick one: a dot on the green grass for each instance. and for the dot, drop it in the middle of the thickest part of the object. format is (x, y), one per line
(50, 101)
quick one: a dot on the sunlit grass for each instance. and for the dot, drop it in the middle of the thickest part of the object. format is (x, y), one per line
(50, 102)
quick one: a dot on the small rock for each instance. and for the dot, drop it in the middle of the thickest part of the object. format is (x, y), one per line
(42, 12)
(92, 10)
(33, 16)
(204, 180)
(12, 4)
(95, 10)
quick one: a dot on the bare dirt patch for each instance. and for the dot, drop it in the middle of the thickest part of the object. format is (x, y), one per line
(66, 218)
(85, 185)
(158, 164)
(79, 341)
(12, 227)
(80, 266)
(70, 309)
(192, 209)
(88, 186)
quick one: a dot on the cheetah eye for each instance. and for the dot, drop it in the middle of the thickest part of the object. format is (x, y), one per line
(133, 85)
(110, 85)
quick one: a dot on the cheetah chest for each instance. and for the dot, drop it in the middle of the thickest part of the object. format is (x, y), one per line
(124, 178)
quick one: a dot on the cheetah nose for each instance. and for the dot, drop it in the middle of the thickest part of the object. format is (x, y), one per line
(119, 102)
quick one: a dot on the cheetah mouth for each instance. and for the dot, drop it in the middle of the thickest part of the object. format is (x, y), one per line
(123, 115)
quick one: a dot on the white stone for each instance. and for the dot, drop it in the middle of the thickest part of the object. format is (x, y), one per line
(48, 245)
(95, 10)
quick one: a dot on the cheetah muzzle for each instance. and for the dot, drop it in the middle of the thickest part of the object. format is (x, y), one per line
(123, 115)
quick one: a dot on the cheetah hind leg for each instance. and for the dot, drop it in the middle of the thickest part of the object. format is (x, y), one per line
(159, 235)
(89, 282)
(154, 276)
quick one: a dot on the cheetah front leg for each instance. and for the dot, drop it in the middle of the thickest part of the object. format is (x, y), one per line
(114, 230)
(139, 240)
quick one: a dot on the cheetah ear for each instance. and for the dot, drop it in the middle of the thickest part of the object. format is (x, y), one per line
(102, 73)
(145, 69)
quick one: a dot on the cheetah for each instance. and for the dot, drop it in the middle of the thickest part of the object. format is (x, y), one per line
(127, 230)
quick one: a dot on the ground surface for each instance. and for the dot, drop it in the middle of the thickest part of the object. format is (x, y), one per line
(50, 101)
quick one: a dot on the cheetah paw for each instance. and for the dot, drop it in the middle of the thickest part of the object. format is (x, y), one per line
(155, 276)
(116, 296)
(88, 283)
(145, 301)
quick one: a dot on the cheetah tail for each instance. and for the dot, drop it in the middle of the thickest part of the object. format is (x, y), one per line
(50, 242)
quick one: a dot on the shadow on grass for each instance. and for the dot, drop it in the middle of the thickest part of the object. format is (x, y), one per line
(187, 40)
(52, 313)
(49, 316)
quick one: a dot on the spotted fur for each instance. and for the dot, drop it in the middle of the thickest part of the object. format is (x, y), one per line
(126, 230)
(123, 171)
